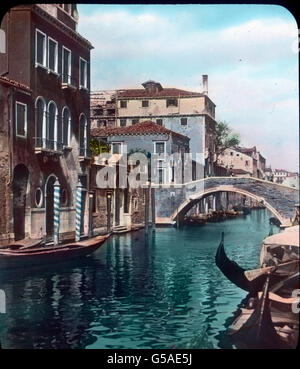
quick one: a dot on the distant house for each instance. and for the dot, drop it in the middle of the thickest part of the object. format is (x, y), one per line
(103, 109)
(241, 161)
(236, 162)
(280, 175)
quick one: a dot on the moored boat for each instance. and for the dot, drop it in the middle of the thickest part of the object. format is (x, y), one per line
(13, 256)
(266, 318)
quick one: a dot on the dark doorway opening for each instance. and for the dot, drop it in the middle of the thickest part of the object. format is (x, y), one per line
(20, 183)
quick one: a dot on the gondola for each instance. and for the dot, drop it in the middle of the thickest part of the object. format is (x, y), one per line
(18, 256)
(271, 324)
(253, 280)
(235, 273)
(266, 318)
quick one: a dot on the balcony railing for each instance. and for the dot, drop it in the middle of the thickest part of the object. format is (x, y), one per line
(45, 144)
(85, 152)
(68, 81)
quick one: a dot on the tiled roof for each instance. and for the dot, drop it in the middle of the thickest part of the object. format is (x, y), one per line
(240, 171)
(165, 92)
(14, 83)
(143, 128)
(246, 150)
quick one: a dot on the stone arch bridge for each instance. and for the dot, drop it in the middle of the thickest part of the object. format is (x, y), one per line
(174, 202)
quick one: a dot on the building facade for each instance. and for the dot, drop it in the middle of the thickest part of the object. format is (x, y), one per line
(46, 120)
(103, 109)
(241, 161)
(127, 206)
(236, 162)
(191, 114)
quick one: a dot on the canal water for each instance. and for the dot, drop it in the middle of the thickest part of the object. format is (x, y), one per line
(160, 292)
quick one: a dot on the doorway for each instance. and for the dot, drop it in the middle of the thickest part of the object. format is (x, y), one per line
(20, 185)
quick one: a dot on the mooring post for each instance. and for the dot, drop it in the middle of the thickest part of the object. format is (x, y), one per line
(153, 208)
(147, 208)
(56, 197)
(91, 199)
(78, 210)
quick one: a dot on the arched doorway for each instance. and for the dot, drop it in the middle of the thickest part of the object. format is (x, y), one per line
(20, 185)
(49, 203)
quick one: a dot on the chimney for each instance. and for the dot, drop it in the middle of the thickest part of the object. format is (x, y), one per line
(205, 83)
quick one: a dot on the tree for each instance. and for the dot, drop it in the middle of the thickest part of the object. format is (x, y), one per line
(225, 138)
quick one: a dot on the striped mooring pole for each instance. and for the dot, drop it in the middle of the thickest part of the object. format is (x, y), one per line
(78, 211)
(56, 211)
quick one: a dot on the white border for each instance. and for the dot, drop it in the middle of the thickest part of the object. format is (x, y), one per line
(44, 51)
(56, 56)
(69, 66)
(25, 119)
(85, 86)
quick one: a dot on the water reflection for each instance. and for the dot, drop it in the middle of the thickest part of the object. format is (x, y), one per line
(157, 292)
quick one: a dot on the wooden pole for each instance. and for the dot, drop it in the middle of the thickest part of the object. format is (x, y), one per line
(146, 191)
(153, 207)
(78, 211)
(56, 211)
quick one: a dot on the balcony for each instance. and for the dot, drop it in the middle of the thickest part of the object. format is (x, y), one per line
(84, 154)
(68, 82)
(47, 147)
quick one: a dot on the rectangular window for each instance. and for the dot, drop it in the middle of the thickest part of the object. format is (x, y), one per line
(83, 73)
(159, 122)
(145, 103)
(66, 67)
(122, 122)
(21, 119)
(117, 147)
(247, 163)
(183, 121)
(123, 104)
(171, 102)
(40, 48)
(159, 148)
(135, 121)
(52, 55)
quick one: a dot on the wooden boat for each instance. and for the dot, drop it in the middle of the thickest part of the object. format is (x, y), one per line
(12, 257)
(271, 323)
(267, 319)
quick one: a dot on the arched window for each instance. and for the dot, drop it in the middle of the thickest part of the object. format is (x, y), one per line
(83, 135)
(66, 127)
(53, 131)
(40, 122)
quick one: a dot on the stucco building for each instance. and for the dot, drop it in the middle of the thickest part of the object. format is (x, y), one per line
(241, 161)
(191, 114)
(128, 204)
(103, 109)
(45, 109)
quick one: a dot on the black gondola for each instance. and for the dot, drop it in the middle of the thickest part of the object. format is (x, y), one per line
(235, 273)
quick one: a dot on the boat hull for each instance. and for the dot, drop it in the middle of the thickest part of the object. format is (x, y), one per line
(49, 255)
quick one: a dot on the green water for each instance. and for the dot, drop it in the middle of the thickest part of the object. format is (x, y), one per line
(164, 292)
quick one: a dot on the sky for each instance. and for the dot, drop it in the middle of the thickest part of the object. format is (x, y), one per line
(249, 52)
